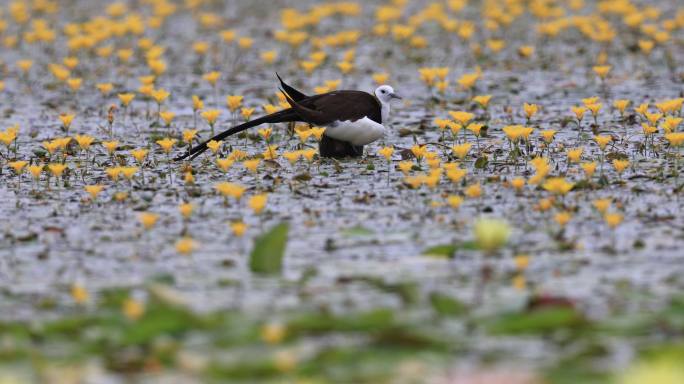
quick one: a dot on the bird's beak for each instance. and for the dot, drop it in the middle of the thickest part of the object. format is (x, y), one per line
(395, 96)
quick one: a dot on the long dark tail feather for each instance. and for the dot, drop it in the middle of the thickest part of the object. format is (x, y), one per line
(292, 92)
(278, 117)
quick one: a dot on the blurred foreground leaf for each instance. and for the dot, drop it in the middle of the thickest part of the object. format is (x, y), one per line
(269, 248)
(538, 321)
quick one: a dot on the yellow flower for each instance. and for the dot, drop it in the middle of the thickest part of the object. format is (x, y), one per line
(24, 65)
(104, 88)
(245, 42)
(237, 155)
(562, 218)
(126, 98)
(167, 144)
(461, 117)
(530, 110)
(442, 124)
(79, 293)
(268, 57)
(613, 219)
(575, 154)
(653, 118)
(579, 112)
(483, 100)
(518, 183)
(94, 190)
(211, 77)
(345, 66)
(461, 150)
(189, 178)
(84, 141)
(548, 135)
(454, 201)
(545, 204)
(675, 138)
(139, 154)
(214, 145)
(671, 123)
(317, 132)
(66, 120)
(620, 165)
(246, 112)
(113, 172)
(258, 202)
(230, 189)
(589, 168)
(642, 109)
(129, 172)
(233, 102)
(185, 245)
(526, 50)
(621, 105)
(186, 209)
(159, 95)
(224, 164)
(56, 169)
(293, 156)
(8, 136)
(602, 70)
(521, 262)
(473, 191)
(405, 166)
(386, 152)
(133, 309)
(517, 132)
(121, 196)
(602, 205)
(603, 140)
(148, 219)
(251, 165)
(475, 128)
(238, 228)
(270, 153)
(228, 35)
(167, 116)
(457, 174)
(189, 135)
(468, 80)
(594, 108)
(309, 154)
(17, 166)
(303, 134)
(419, 151)
(648, 129)
(74, 83)
(50, 146)
(491, 234)
(35, 170)
(557, 185)
(197, 103)
(211, 115)
(265, 133)
(380, 78)
(273, 333)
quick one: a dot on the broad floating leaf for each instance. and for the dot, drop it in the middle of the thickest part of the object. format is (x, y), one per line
(268, 251)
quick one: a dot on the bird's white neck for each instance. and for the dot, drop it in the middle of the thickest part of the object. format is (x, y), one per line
(384, 111)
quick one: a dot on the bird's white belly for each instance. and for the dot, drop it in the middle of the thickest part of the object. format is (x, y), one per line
(360, 132)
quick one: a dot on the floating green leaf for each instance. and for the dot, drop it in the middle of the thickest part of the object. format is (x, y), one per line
(268, 251)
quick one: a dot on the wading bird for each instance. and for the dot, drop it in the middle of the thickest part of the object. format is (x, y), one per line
(352, 119)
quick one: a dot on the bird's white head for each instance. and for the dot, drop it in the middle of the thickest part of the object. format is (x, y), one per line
(385, 94)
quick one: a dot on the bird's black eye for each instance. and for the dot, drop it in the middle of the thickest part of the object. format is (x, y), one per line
(383, 91)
